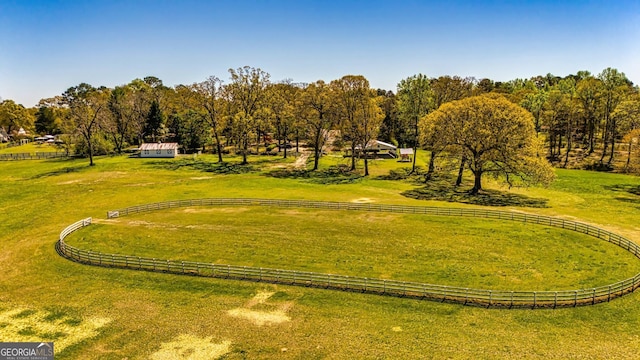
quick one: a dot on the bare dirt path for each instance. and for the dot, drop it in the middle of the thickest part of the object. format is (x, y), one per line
(301, 161)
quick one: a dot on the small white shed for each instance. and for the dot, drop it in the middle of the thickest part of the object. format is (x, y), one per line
(158, 150)
(406, 154)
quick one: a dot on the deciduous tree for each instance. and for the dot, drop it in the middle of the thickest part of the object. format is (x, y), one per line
(14, 116)
(496, 136)
(246, 93)
(316, 113)
(86, 112)
(121, 120)
(283, 101)
(211, 100)
(615, 86)
(351, 95)
(415, 100)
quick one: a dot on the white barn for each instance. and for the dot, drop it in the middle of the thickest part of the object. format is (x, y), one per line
(158, 150)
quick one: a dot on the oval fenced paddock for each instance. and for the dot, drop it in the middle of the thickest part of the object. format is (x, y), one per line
(450, 294)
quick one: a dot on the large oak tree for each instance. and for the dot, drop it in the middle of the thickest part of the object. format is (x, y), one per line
(495, 135)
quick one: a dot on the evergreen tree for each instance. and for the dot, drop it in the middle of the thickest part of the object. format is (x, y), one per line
(155, 121)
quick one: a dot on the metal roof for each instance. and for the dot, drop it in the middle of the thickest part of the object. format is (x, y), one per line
(159, 146)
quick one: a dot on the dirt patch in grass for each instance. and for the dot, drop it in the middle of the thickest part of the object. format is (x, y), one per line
(69, 182)
(376, 218)
(66, 329)
(192, 348)
(363, 200)
(260, 298)
(260, 318)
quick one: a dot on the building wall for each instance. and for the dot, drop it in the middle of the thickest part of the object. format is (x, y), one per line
(166, 153)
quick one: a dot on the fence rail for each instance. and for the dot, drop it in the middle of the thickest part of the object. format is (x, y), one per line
(451, 294)
(34, 156)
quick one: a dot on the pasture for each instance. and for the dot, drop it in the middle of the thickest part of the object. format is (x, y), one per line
(98, 313)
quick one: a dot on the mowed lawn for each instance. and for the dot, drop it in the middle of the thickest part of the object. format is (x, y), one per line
(97, 313)
(464, 252)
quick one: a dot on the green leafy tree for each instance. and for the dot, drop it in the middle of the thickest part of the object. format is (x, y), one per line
(627, 116)
(589, 92)
(496, 136)
(392, 130)
(368, 121)
(316, 112)
(190, 129)
(154, 121)
(283, 101)
(415, 100)
(14, 116)
(47, 121)
(246, 94)
(120, 124)
(87, 106)
(446, 89)
(210, 97)
(615, 87)
(351, 95)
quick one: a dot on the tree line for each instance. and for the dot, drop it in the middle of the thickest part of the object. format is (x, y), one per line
(579, 115)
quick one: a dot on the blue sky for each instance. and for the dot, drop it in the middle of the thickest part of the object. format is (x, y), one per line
(48, 46)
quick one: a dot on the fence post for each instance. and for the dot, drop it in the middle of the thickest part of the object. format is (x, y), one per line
(609, 295)
(594, 297)
(511, 305)
(555, 300)
(490, 297)
(535, 298)
(575, 299)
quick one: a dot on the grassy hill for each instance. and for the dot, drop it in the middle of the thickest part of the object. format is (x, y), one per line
(97, 313)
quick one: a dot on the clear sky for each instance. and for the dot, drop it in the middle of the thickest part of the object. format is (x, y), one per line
(49, 46)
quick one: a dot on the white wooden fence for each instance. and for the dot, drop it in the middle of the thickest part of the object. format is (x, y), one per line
(452, 294)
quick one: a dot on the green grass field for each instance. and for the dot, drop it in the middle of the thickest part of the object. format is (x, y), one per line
(98, 313)
(30, 148)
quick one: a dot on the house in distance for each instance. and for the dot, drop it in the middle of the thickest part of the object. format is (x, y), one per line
(158, 150)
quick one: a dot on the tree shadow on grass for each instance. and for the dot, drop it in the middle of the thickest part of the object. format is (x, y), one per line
(631, 192)
(443, 190)
(223, 168)
(333, 175)
(61, 171)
